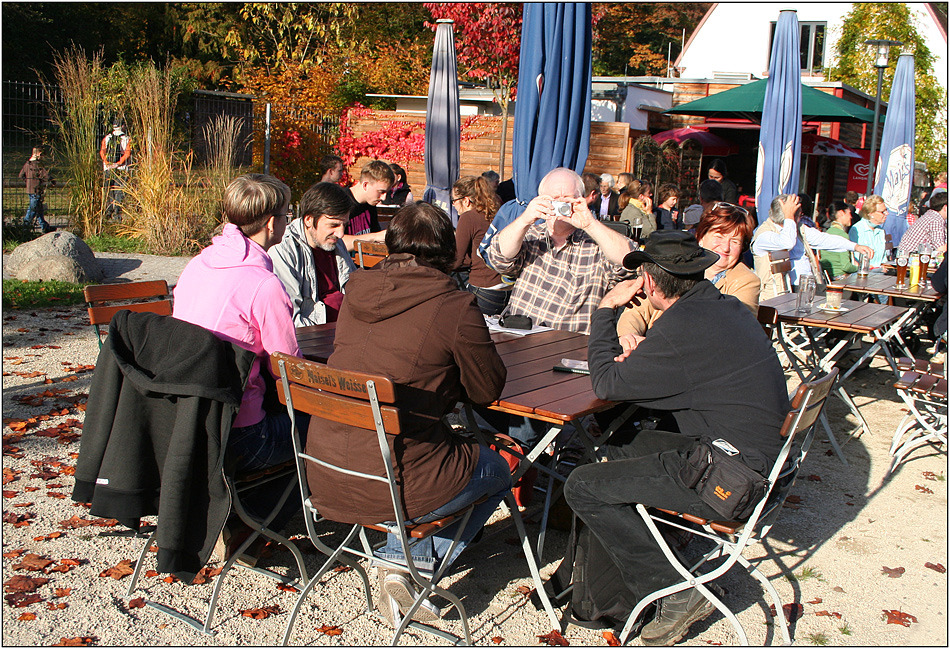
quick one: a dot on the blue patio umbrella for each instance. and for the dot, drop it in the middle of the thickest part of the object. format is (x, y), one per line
(552, 110)
(780, 138)
(443, 129)
(895, 165)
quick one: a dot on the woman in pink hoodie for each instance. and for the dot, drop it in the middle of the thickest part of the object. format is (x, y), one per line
(231, 290)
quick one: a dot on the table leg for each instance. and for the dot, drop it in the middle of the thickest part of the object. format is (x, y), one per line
(892, 332)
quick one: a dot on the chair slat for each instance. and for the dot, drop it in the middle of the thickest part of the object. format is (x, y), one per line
(128, 291)
(102, 315)
(315, 375)
(342, 409)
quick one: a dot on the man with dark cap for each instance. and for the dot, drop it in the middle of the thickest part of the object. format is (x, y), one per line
(724, 384)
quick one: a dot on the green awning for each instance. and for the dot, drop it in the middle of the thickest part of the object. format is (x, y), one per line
(746, 101)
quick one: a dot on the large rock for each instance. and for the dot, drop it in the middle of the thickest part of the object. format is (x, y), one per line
(52, 247)
(60, 267)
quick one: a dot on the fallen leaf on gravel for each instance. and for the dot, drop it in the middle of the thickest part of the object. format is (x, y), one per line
(524, 590)
(828, 614)
(935, 566)
(814, 478)
(817, 600)
(553, 639)
(497, 639)
(138, 602)
(120, 570)
(260, 613)
(62, 592)
(792, 611)
(170, 579)
(287, 588)
(611, 639)
(23, 584)
(50, 536)
(8, 493)
(205, 574)
(18, 520)
(342, 569)
(326, 629)
(899, 617)
(23, 505)
(151, 573)
(55, 606)
(793, 498)
(923, 490)
(76, 522)
(718, 644)
(894, 573)
(930, 475)
(32, 562)
(19, 600)
(24, 617)
(13, 554)
(81, 641)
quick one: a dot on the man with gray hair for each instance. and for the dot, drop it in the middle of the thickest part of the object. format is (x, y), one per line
(606, 205)
(564, 264)
(311, 260)
(783, 231)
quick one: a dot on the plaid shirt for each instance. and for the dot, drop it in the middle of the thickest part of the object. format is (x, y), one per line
(558, 288)
(930, 228)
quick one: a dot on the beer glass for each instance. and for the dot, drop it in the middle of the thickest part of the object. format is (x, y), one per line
(902, 261)
(806, 293)
(925, 252)
(833, 297)
(913, 265)
(637, 228)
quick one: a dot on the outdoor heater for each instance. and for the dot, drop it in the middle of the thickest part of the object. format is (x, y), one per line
(880, 62)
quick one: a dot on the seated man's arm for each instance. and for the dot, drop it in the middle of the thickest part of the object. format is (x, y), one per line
(614, 245)
(505, 253)
(349, 240)
(769, 241)
(825, 241)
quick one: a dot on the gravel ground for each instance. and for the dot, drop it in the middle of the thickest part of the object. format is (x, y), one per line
(827, 552)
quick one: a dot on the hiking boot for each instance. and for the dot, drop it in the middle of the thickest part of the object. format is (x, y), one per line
(397, 585)
(675, 614)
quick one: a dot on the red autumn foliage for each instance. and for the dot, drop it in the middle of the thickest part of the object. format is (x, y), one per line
(33, 562)
(120, 570)
(260, 613)
(23, 584)
(329, 630)
(138, 602)
(899, 617)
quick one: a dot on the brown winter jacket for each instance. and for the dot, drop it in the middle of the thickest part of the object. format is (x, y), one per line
(410, 322)
(36, 175)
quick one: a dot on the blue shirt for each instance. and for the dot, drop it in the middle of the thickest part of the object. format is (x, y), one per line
(865, 234)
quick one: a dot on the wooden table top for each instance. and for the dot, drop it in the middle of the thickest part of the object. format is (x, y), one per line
(882, 284)
(532, 388)
(860, 317)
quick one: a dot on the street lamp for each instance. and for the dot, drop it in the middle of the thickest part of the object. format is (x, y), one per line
(880, 62)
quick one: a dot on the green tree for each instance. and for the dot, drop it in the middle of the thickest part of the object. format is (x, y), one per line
(635, 38)
(855, 66)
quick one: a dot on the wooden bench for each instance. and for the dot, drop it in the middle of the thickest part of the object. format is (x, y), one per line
(369, 253)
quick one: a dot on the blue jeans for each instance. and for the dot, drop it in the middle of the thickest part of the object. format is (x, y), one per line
(490, 301)
(35, 211)
(262, 445)
(491, 477)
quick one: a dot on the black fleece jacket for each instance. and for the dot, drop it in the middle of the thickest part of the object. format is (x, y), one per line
(163, 398)
(708, 362)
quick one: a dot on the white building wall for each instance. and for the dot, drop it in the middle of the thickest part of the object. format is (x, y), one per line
(735, 37)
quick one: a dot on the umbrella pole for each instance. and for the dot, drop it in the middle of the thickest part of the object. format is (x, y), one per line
(504, 139)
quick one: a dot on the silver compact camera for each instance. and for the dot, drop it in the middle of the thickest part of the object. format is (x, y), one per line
(561, 208)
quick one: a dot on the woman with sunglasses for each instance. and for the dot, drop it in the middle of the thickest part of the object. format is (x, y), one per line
(726, 230)
(476, 202)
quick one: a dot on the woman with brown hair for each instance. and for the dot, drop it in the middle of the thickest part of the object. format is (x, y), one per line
(639, 209)
(405, 318)
(725, 229)
(476, 203)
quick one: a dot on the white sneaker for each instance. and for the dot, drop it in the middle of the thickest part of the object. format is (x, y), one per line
(399, 588)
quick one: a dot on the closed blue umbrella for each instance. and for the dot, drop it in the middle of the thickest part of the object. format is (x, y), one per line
(443, 129)
(552, 111)
(895, 165)
(780, 138)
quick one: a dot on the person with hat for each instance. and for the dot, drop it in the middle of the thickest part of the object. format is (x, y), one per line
(724, 384)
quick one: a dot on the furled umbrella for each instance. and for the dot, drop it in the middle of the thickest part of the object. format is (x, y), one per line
(895, 164)
(780, 138)
(552, 113)
(712, 144)
(443, 129)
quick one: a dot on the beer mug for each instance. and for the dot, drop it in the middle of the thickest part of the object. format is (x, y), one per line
(902, 261)
(864, 263)
(914, 266)
(806, 293)
(925, 252)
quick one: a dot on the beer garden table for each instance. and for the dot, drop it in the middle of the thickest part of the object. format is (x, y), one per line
(532, 389)
(854, 320)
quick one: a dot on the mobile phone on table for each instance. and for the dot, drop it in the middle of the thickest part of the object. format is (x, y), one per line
(571, 365)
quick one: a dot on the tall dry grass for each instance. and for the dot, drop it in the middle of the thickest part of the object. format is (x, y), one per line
(224, 141)
(77, 118)
(165, 206)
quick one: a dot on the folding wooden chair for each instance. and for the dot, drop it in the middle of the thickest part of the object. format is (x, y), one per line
(923, 387)
(369, 402)
(104, 300)
(370, 253)
(732, 537)
(781, 264)
(768, 318)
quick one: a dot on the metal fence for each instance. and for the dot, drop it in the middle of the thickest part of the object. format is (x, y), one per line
(27, 123)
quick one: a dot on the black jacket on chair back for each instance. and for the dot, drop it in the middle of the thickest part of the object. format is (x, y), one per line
(163, 398)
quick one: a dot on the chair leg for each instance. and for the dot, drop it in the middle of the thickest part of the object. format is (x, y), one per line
(770, 589)
(140, 563)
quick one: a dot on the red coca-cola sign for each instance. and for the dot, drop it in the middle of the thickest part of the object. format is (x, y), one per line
(858, 172)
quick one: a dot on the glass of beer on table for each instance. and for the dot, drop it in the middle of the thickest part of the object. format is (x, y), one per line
(902, 261)
(925, 252)
(914, 266)
(864, 263)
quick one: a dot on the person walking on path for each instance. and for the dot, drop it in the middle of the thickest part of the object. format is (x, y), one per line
(37, 178)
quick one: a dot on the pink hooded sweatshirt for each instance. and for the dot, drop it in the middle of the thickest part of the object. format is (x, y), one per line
(231, 290)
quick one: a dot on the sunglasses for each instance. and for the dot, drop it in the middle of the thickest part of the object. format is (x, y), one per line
(730, 206)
